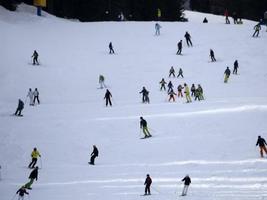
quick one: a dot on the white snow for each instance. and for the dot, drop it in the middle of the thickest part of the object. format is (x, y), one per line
(213, 140)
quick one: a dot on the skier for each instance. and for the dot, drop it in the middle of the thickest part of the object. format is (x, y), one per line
(227, 73)
(187, 93)
(235, 17)
(94, 154)
(199, 93)
(143, 125)
(21, 192)
(235, 67)
(180, 46)
(170, 86)
(257, 29)
(261, 142)
(187, 182)
(205, 20)
(19, 108)
(30, 95)
(188, 39)
(36, 96)
(157, 27)
(171, 93)
(35, 57)
(102, 81)
(212, 56)
(193, 90)
(172, 72)
(180, 73)
(147, 183)
(227, 21)
(108, 95)
(33, 175)
(180, 89)
(162, 84)
(35, 154)
(145, 98)
(111, 50)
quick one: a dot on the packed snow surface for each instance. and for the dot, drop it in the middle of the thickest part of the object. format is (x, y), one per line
(212, 140)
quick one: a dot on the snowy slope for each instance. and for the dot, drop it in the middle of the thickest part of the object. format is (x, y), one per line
(213, 141)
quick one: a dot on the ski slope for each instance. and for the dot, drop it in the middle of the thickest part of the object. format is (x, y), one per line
(213, 140)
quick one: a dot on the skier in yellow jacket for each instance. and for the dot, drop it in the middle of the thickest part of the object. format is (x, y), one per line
(187, 93)
(35, 154)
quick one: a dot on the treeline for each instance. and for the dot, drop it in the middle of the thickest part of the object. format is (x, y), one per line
(105, 10)
(248, 9)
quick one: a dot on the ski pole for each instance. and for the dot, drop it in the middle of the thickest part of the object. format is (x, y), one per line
(156, 190)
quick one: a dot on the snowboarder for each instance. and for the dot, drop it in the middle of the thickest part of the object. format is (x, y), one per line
(35, 154)
(35, 57)
(180, 46)
(205, 20)
(157, 27)
(193, 90)
(226, 14)
(261, 142)
(21, 192)
(187, 182)
(145, 98)
(172, 72)
(143, 125)
(188, 39)
(227, 73)
(235, 67)
(180, 91)
(19, 108)
(147, 183)
(180, 73)
(171, 93)
(199, 93)
(108, 95)
(94, 154)
(30, 95)
(111, 50)
(187, 93)
(212, 56)
(162, 84)
(33, 175)
(170, 86)
(257, 29)
(36, 96)
(102, 81)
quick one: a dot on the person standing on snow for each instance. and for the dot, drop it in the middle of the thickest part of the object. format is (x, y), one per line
(180, 73)
(162, 84)
(188, 39)
(111, 50)
(21, 192)
(94, 154)
(170, 86)
(143, 125)
(193, 90)
(261, 142)
(226, 14)
(235, 67)
(172, 72)
(180, 46)
(157, 28)
(19, 108)
(227, 73)
(147, 183)
(108, 96)
(144, 92)
(187, 93)
(35, 154)
(172, 93)
(199, 93)
(35, 57)
(212, 56)
(187, 182)
(33, 175)
(36, 96)
(180, 89)
(102, 81)
(30, 95)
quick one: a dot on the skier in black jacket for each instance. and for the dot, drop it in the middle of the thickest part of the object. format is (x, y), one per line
(235, 67)
(94, 154)
(19, 108)
(188, 39)
(35, 57)
(187, 182)
(21, 193)
(227, 73)
(212, 56)
(144, 92)
(180, 46)
(108, 95)
(147, 183)
(111, 50)
(170, 86)
(33, 175)
(261, 142)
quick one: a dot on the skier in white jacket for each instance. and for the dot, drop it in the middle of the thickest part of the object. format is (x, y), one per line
(30, 95)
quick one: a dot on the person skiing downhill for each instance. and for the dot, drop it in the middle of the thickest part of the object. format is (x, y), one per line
(108, 96)
(170, 86)
(33, 175)
(187, 93)
(212, 56)
(227, 74)
(35, 154)
(187, 182)
(257, 29)
(143, 126)
(30, 95)
(144, 92)
(36, 96)
(261, 142)
(188, 39)
(180, 46)
(180, 73)
(162, 84)
(35, 57)
(21, 192)
(172, 94)
(94, 154)
(102, 81)
(235, 67)
(111, 50)
(147, 183)
(172, 72)
(19, 108)
(157, 28)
